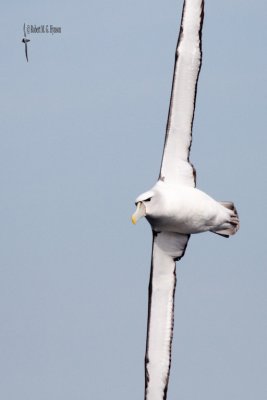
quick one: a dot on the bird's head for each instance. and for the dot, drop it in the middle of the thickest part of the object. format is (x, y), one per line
(144, 205)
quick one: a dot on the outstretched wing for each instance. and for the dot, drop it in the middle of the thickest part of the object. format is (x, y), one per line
(24, 30)
(26, 51)
(175, 164)
(167, 248)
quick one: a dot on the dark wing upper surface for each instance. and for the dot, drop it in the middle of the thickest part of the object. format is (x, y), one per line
(26, 51)
(175, 166)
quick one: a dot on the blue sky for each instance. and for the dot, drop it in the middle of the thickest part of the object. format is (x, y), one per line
(82, 130)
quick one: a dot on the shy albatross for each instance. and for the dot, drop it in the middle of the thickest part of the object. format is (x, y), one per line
(25, 41)
(174, 207)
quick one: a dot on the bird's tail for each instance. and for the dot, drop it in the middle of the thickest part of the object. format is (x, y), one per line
(231, 227)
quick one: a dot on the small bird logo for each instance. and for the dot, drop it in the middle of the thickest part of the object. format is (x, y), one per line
(25, 41)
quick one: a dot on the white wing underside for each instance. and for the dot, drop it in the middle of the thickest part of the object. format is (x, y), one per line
(175, 166)
(167, 248)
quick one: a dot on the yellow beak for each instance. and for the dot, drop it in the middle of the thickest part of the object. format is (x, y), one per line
(139, 213)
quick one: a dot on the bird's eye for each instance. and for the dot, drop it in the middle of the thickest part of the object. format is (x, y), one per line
(148, 199)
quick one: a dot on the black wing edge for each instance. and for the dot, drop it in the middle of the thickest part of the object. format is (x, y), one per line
(180, 36)
(150, 286)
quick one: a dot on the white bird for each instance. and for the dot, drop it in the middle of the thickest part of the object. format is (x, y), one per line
(174, 208)
(25, 41)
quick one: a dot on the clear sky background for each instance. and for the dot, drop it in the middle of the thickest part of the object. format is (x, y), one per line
(82, 129)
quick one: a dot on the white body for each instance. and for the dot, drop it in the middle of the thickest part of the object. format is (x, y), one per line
(184, 209)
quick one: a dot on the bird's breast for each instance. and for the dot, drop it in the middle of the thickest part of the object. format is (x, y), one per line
(185, 211)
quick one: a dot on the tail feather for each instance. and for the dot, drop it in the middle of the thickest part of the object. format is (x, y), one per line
(232, 226)
(228, 204)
